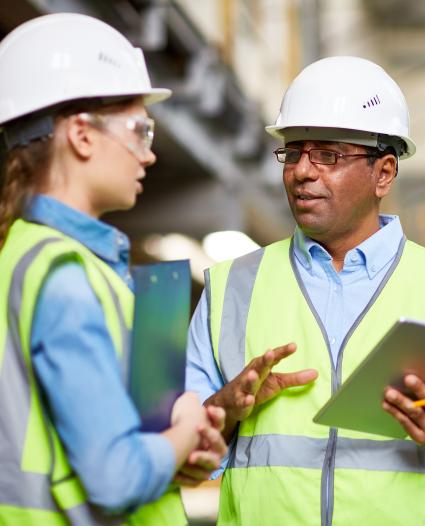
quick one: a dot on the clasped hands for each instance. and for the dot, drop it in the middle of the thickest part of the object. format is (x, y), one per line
(207, 455)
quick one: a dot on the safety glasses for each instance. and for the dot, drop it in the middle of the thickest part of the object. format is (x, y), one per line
(142, 128)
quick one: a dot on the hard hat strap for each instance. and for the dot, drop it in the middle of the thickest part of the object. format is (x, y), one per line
(23, 131)
(40, 125)
(389, 141)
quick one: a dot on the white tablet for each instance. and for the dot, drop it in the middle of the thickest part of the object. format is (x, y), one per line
(357, 403)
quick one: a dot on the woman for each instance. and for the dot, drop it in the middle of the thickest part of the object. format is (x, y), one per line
(77, 141)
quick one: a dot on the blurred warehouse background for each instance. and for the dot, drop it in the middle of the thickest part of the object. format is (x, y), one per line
(228, 63)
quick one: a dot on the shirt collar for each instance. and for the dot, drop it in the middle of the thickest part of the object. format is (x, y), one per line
(302, 248)
(102, 239)
(376, 251)
(380, 248)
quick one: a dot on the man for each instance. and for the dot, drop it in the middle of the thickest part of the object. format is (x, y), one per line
(334, 289)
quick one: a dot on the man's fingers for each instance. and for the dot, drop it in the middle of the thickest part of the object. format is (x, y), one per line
(402, 409)
(239, 396)
(249, 382)
(274, 356)
(282, 352)
(416, 385)
(405, 404)
(296, 378)
(264, 363)
(412, 428)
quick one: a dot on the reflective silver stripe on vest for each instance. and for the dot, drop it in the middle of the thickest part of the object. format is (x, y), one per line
(19, 488)
(86, 515)
(125, 333)
(28, 490)
(307, 452)
(279, 450)
(237, 300)
(207, 279)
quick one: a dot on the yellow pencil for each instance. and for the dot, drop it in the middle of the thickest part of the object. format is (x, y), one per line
(419, 403)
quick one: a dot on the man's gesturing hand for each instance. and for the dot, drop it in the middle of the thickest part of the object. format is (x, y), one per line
(256, 384)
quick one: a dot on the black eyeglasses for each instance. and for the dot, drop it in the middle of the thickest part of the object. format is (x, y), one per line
(293, 155)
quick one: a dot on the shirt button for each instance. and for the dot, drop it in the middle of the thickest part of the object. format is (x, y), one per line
(354, 258)
(120, 240)
(332, 341)
(373, 268)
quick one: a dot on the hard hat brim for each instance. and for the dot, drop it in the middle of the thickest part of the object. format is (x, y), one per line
(279, 133)
(156, 95)
(152, 97)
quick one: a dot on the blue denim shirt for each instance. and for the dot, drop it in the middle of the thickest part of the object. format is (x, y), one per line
(74, 359)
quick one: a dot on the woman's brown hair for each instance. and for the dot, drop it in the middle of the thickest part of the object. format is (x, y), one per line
(22, 172)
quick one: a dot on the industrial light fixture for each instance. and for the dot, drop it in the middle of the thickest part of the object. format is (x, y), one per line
(228, 244)
(178, 246)
(215, 247)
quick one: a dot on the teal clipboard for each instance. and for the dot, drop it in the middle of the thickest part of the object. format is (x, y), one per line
(158, 347)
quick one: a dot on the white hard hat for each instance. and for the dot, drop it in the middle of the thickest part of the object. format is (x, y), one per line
(66, 56)
(347, 99)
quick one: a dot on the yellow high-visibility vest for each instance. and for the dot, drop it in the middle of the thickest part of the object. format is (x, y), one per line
(285, 469)
(37, 484)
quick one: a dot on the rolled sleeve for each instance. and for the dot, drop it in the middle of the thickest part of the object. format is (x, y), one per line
(202, 374)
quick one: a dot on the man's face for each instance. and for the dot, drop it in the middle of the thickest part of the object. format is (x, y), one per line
(332, 201)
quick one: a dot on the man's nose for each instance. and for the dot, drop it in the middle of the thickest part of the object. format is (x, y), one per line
(304, 168)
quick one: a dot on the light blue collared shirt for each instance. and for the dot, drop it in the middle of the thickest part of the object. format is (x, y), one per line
(74, 359)
(338, 297)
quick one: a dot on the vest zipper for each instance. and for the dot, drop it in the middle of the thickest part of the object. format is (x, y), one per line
(327, 489)
(327, 481)
(327, 485)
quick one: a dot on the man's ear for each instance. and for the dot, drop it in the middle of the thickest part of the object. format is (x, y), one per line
(80, 136)
(386, 167)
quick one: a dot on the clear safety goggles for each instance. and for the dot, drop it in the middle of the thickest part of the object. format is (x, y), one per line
(142, 128)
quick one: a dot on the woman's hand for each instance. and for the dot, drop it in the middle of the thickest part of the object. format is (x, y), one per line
(207, 457)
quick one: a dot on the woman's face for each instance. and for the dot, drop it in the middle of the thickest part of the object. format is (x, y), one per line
(121, 154)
